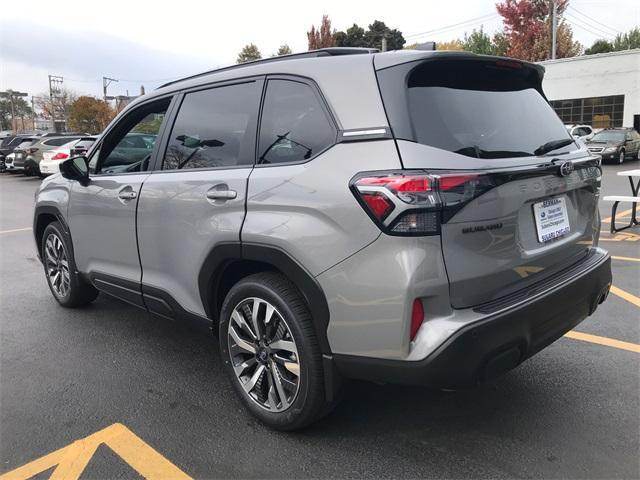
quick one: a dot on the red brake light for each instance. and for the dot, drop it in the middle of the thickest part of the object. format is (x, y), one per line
(60, 156)
(417, 317)
(378, 203)
(449, 182)
(399, 183)
(416, 203)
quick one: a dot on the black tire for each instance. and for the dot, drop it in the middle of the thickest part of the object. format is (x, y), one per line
(310, 403)
(78, 291)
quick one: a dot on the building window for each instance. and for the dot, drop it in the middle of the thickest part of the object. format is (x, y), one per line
(599, 112)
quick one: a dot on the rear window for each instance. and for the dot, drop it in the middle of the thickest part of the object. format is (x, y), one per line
(85, 143)
(608, 137)
(27, 142)
(482, 109)
(58, 142)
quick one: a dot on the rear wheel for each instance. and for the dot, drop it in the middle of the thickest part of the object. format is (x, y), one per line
(66, 285)
(271, 353)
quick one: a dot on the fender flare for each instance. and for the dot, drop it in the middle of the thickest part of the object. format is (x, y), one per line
(226, 253)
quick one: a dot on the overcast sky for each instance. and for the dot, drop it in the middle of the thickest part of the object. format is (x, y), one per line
(150, 42)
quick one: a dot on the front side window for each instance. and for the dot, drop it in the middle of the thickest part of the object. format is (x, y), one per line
(294, 124)
(214, 128)
(128, 147)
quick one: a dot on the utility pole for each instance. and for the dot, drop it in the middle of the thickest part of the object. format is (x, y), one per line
(33, 114)
(554, 29)
(55, 87)
(106, 81)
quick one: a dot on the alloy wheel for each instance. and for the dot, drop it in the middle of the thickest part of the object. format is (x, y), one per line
(57, 265)
(263, 354)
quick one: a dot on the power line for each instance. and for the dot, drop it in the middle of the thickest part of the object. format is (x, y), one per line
(454, 25)
(592, 27)
(593, 19)
(584, 26)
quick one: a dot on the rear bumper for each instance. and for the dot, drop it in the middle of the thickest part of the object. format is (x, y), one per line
(498, 342)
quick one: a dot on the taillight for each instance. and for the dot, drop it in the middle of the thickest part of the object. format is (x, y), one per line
(417, 317)
(415, 203)
(60, 156)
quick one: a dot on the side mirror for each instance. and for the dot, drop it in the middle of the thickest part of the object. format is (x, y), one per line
(75, 169)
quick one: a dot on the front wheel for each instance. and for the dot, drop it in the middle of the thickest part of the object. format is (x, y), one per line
(621, 157)
(270, 352)
(65, 283)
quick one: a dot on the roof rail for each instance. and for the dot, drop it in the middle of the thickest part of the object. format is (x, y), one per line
(321, 52)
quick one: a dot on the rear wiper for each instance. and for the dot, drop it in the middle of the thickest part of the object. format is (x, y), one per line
(477, 152)
(553, 145)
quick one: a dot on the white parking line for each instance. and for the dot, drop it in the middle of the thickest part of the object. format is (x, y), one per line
(15, 230)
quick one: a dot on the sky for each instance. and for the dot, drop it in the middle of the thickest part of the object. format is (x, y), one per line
(150, 42)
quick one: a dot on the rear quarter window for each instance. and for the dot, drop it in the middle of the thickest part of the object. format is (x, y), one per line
(294, 126)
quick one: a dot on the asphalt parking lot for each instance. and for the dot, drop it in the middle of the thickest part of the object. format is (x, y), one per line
(150, 399)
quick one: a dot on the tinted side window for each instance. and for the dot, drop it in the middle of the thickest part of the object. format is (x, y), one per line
(128, 147)
(215, 128)
(294, 125)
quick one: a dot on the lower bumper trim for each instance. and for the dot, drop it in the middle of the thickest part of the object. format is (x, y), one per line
(499, 342)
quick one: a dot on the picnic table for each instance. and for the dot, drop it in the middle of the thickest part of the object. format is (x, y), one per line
(634, 182)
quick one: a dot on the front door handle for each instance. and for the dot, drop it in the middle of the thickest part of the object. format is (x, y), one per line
(126, 194)
(221, 194)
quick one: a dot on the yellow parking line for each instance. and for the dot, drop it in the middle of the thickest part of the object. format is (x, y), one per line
(619, 215)
(70, 461)
(16, 230)
(608, 342)
(625, 295)
(625, 259)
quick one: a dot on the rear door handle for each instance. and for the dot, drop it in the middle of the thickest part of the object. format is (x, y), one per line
(221, 194)
(127, 194)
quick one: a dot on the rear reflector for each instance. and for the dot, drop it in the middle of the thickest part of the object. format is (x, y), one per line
(417, 317)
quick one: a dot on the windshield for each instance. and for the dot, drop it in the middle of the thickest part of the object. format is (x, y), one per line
(478, 109)
(608, 137)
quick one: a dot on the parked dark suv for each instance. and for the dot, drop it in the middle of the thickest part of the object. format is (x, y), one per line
(412, 217)
(616, 144)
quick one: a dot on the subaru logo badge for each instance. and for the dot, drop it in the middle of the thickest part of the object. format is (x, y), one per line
(566, 169)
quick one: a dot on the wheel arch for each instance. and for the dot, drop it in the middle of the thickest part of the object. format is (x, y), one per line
(43, 216)
(230, 262)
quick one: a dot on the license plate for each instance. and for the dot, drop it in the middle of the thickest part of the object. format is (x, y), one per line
(551, 218)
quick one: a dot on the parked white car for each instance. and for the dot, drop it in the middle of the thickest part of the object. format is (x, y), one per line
(52, 159)
(583, 132)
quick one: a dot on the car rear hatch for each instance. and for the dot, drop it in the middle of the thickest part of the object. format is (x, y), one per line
(516, 197)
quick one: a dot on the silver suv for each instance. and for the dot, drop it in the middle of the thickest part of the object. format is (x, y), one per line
(411, 217)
